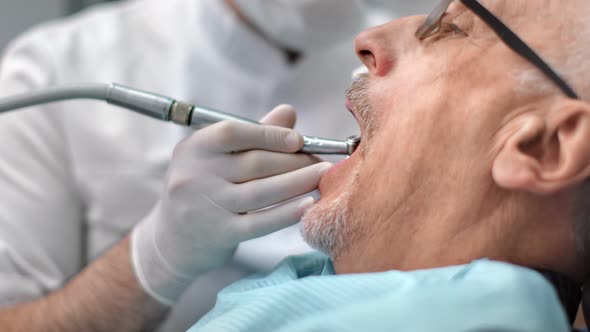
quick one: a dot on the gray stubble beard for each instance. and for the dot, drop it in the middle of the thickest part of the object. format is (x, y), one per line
(330, 227)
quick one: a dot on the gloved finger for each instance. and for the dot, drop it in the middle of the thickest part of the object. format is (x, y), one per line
(257, 164)
(260, 223)
(234, 136)
(259, 194)
(281, 116)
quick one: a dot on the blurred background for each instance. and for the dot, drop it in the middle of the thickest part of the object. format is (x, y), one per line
(18, 15)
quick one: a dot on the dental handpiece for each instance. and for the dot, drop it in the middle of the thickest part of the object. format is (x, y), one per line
(162, 108)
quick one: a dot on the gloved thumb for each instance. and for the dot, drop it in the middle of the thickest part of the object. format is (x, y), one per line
(281, 116)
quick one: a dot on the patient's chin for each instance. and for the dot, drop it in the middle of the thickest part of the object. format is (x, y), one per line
(322, 226)
(327, 226)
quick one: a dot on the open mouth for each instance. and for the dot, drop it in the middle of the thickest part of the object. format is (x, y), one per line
(349, 107)
(336, 177)
(355, 140)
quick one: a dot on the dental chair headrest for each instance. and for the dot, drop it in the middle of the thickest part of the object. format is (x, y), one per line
(570, 294)
(586, 302)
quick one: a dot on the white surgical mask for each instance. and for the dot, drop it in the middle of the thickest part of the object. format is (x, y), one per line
(306, 25)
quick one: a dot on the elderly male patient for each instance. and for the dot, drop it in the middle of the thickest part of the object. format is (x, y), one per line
(470, 176)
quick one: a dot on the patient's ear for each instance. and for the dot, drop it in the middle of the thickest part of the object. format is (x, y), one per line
(547, 153)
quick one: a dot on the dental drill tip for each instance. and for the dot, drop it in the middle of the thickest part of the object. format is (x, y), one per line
(353, 142)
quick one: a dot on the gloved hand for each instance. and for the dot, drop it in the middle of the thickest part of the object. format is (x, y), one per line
(216, 179)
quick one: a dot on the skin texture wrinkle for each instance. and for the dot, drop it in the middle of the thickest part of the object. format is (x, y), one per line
(463, 165)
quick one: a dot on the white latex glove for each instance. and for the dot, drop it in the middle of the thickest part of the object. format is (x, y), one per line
(216, 179)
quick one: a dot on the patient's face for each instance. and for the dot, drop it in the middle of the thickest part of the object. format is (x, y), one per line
(429, 112)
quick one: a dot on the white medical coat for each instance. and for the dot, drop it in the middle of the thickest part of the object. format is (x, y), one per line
(75, 177)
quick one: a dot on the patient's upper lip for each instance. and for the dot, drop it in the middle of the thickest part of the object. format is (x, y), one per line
(351, 109)
(348, 105)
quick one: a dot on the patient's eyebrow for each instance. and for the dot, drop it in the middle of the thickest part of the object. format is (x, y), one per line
(457, 10)
(464, 13)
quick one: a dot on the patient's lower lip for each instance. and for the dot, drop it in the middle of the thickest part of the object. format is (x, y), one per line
(348, 106)
(335, 168)
(340, 164)
(335, 175)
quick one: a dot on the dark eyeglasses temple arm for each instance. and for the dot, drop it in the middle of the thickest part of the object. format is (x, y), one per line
(517, 45)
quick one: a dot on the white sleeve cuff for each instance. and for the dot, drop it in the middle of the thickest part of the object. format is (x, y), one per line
(156, 277)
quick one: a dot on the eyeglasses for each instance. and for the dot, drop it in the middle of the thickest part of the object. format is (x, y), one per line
(433, 24)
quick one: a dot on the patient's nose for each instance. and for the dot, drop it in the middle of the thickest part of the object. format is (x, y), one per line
(379, 48)
(374, 50)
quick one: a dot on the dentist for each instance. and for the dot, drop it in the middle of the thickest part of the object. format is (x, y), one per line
(105, 224)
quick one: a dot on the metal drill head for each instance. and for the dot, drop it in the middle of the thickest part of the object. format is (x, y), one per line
(353, 142)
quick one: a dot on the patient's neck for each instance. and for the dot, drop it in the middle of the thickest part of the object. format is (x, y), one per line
(457, 228)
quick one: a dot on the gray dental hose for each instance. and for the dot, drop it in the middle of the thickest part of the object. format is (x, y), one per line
(162, 108)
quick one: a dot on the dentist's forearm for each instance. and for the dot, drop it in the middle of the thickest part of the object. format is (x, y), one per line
(104, 297)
